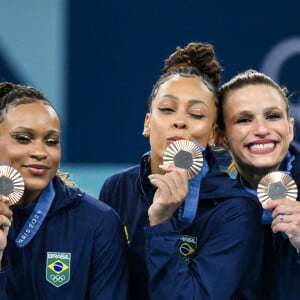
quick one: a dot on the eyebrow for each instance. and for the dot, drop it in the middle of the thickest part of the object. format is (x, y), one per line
(22, 129)
(266, 110)
(193, 101)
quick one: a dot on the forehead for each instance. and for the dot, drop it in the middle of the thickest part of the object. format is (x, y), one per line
(255, 95)
(185, 87)
(32, 114)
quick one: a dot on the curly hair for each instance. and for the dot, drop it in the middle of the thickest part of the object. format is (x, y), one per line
(194, 60)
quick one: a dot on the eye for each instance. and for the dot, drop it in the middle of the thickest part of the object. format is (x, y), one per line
(21, 138)
(166, 109)
(198, 111)
(274, 116)
(197, 116)
(52, 141)
(243, 120)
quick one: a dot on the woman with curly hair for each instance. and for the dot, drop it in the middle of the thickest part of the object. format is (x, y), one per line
(213, 250)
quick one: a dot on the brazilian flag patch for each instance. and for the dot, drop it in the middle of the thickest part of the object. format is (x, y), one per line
(58, 268)
(188, 247)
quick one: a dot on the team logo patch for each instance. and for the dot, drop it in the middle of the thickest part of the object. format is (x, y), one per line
(188, 247)
(58, 268)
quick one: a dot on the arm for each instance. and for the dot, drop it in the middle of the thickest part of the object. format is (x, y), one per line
(228, 256)
(5, 222)
(108, 274)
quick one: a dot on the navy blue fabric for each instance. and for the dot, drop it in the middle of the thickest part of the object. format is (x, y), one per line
(227, 227)
(77, 224)
(281, 264)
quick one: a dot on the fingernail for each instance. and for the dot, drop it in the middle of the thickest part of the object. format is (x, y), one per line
(4, 199)
(164, 167)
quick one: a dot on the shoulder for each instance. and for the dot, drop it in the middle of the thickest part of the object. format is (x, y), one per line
(227, 197)
(87, 206)
(123, 175)
(295, 151)
(219, 186)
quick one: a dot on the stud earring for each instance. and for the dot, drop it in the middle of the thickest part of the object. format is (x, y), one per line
(145, 134)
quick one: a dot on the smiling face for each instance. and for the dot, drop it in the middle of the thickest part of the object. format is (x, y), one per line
(257, 129)
(184, 108)
(30, 143)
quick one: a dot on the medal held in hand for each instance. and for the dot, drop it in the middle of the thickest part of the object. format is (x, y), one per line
(11, 184)
(184, 154)
(277, 185)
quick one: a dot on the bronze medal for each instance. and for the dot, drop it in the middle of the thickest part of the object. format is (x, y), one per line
(11, 184)
(184, 154)
(276, 185)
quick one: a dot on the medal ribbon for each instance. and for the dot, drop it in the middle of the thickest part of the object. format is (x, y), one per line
(188, 209)
(37, 216)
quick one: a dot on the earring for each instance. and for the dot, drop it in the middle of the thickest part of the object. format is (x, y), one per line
(145, 134)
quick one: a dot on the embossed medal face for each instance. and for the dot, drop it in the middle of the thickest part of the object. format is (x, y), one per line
(11, 184)
(184, 154)
(277, 185)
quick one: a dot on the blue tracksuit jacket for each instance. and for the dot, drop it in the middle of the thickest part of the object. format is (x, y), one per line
(217, 257)
(281, 264)
(81, 234)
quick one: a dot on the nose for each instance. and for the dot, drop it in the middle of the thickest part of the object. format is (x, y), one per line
(38, 152)
(261, 128)
(179, 124)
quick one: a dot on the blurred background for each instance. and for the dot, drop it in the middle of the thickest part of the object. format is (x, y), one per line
(97, 62)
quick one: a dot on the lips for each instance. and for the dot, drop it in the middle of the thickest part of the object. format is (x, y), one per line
(175, 138)
(37, 169)
(265, 147)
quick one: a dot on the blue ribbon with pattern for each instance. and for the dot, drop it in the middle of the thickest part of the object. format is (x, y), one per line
(37, 216)
(188, 209)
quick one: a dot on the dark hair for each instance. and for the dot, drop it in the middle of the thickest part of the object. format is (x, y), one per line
(249, 77)
(12, 95)
(194, 60)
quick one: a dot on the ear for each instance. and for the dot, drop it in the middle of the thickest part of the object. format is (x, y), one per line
(291, 129)
(213, 135)
(146, 131)
(221, 139)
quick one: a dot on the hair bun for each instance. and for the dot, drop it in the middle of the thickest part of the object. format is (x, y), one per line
(199, 56)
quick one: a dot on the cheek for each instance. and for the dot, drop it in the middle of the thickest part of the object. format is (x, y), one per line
(156, 122)
(202, 130)
(10, 155)
(55, 155)
(235, 133)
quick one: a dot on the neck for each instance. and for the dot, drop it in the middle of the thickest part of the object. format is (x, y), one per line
(253, 175)
(28, 197)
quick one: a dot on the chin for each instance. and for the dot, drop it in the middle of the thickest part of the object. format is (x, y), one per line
(36, 185)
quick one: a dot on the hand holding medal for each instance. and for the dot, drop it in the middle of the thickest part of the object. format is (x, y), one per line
(184, 154)
(11, 184)
(276, 185)
(11, 188)
(188, 155)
